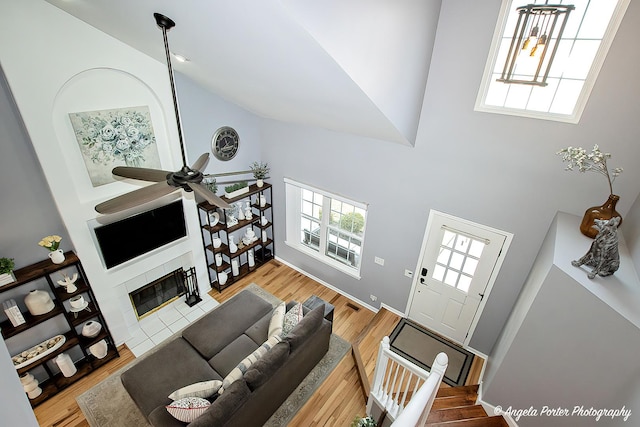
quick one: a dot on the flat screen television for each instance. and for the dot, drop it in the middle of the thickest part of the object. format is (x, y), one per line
(131, 237)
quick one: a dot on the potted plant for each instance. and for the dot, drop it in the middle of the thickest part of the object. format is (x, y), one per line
(6, 271)
(260, 171)
(236, 189)
(363, 422)
(577, 158)
(211, 184)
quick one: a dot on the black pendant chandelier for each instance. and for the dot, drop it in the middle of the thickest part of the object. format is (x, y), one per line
(534, 43)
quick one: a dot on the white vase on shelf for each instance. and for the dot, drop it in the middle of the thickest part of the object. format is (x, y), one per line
(66, 365)
(263, 201)
(39, 302)
(233, 248)
(235, 267)
(251, 259)
(264, 236)
(217, 242)
(218, 260)
(57, 256)
(222, 277)
(240, 212)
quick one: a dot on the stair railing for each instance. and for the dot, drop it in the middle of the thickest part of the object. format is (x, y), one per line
(397, 382)
(415, 414)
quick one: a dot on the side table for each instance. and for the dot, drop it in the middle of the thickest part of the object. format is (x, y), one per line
(313, 301)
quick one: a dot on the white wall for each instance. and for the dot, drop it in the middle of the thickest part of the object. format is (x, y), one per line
(497, 170)
(570, 341)
(70, 67)
(630, 228)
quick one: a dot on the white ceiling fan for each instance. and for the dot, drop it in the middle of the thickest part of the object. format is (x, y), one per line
(165, 182)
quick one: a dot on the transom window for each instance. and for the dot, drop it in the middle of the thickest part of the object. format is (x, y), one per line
(325, 226)
(457, 260)
(581, 50)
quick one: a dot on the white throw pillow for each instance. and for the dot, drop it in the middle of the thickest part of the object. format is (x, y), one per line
(277, 320)
(188, 409)
(202, 389)
(242, 367)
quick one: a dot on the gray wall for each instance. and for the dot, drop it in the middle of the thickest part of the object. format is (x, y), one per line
(28, 214)
(497, 170)
(28, 210)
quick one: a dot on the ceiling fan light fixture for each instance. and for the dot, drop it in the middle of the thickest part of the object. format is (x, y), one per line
(187, 178)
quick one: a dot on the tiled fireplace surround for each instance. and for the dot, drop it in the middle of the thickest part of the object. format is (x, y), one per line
(156, 327)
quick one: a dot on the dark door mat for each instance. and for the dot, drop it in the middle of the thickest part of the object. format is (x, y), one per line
(421, 346)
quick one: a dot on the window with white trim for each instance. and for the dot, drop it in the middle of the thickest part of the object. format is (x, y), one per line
(584, 44)
(325, 226)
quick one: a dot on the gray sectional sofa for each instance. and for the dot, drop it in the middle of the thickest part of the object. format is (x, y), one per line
(211, 347)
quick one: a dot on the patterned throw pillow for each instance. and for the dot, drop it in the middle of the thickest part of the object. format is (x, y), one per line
(188, 409)
(202, 389)
(277, 319)
(246, 363)
(292, 318)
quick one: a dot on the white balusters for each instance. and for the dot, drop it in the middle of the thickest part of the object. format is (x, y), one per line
(393, 379)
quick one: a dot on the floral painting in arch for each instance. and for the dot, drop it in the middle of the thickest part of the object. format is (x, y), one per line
(117, 137)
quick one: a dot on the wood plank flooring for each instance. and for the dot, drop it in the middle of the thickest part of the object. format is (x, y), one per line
(338, 400)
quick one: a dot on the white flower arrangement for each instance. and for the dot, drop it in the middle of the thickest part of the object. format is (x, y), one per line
(595, 161)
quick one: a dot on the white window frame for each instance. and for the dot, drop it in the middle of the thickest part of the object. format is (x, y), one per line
(508, 7)
(293, 203)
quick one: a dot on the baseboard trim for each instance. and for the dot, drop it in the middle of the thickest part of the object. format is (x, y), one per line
(323, 283)
(393, 310)
(491, 410)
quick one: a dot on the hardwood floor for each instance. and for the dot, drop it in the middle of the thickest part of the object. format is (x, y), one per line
(336, 402)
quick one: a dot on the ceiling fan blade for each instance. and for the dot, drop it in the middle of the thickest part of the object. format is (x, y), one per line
(143, 174)
(135, 198)
(201, 162)
(208, 195)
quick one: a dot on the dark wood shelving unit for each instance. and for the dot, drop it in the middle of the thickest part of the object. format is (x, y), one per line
(261, 250)
(50, 381)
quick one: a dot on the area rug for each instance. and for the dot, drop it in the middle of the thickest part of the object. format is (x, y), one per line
(108, 404)
(421, 346)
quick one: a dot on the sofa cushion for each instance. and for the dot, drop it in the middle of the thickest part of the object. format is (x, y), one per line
(307, 326)
(229, 357)
(245, 363)
(264, 368)
(175, 364)
(224, 406)
(202, 389)
(217, 329)
(188, 408)
(259, 331)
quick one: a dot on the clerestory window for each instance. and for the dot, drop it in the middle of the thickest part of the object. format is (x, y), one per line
(589, 30)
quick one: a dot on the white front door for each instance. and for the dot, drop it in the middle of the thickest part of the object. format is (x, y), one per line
(457, 264)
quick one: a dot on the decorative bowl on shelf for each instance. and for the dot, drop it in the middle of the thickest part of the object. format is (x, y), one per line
(99, 349)
(91, 329)
(37, 352)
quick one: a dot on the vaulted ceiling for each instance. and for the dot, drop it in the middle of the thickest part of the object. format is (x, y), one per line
(356, 66)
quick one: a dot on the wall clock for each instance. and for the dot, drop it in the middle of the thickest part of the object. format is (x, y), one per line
(224, 143)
